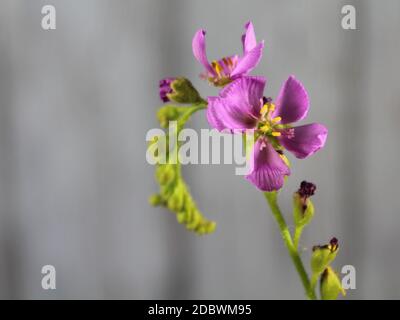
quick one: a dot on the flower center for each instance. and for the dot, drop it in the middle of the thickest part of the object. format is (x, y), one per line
(268, 125)
(223, 69)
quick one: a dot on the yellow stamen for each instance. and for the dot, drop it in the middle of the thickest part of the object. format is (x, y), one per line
(227, 61)
(265, 128)
(276, 119)
(332, 248)
(217, 67)
(271, 107)
(285, 159)
(276, 134)
(264, 109)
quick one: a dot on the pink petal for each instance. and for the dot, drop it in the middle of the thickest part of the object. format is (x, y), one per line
(199, 50)
(292, 102)
(238, 105)
(268, 170)
(249, 38)
(249, 61)
(305, 140)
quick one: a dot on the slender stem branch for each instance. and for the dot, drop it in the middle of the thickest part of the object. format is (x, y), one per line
(189, 111)
(287, 239)
(296, 237)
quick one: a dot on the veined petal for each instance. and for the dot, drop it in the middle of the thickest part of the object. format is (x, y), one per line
(249, 38)
(221, 115)
(238, 105)
(247, 90)
(292, 103)
(199, 50)
(249, 61)
(216, 115)
(305, 140)
(267, 170)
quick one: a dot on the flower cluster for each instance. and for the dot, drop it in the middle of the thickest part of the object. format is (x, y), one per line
(174, 193)
(241, 105)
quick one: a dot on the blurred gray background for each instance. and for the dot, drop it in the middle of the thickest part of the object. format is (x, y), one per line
(75, 106)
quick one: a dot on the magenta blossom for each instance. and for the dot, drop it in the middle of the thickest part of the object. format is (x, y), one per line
(241, 105)
(221, 72)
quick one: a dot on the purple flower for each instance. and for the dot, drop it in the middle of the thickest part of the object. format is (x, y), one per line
(221, 72)
(241, 105)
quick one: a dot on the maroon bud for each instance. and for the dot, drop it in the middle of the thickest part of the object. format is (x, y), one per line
(307, 189)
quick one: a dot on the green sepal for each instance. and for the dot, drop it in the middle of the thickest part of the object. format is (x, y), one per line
(303, 211)
(330, 285)
(183, 91)
(322, 257)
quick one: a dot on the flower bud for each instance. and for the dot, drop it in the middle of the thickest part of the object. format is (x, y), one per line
(178, 90)
(331, 285)
(303, 210)
(155, 200)
(176, 200)
(322, 256)
(167, 114)
(181, 217)
(206, 227)
(165, 174)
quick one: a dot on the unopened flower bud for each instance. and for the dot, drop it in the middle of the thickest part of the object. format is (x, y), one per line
(322, 256)
(181, 217)
(176, 200)
(206, 227)
(167, 114)
(155, 200)
(307, 189)
(303, 210)
(179, 90)
(331, 285)
(165, 174)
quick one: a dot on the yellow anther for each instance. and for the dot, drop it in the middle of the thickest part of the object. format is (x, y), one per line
(276, 134)
(271, 107)
(217, 67)
(264, 109)
(265, 128)
(276, 119)
(333, 248)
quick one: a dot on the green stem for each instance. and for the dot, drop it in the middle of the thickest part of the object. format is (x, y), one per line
(188, 113)
(296, 237)
(314, 281)
(287, 239)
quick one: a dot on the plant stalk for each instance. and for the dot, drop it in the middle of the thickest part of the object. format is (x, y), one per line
(287, 239)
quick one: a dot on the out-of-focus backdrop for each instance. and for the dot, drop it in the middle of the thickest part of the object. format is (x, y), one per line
(75, 106)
